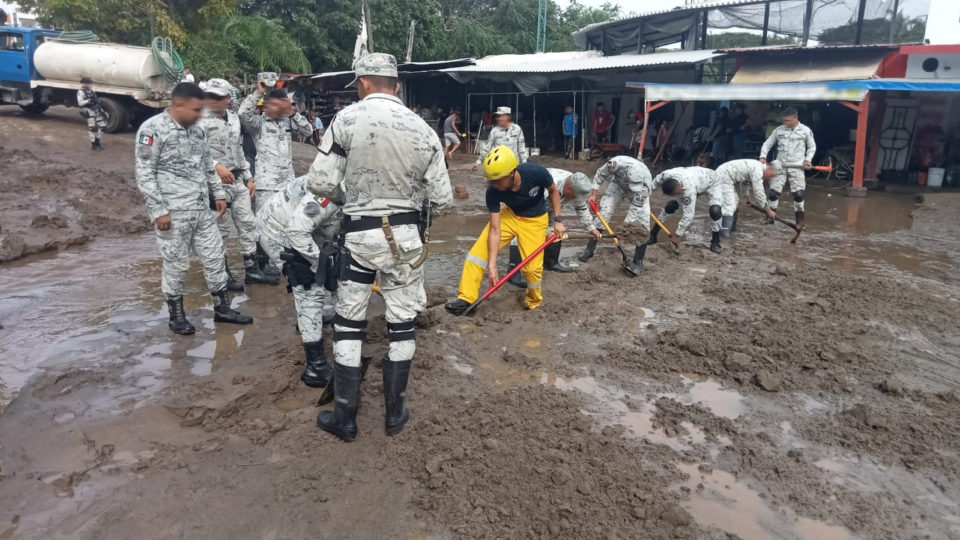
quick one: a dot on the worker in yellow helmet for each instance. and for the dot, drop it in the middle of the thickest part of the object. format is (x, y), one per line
(522, 189)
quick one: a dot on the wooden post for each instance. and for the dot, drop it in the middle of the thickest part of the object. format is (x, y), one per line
(857, 188)
(646, 122)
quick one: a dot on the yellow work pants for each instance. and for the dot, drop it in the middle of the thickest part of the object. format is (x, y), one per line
(530, 234)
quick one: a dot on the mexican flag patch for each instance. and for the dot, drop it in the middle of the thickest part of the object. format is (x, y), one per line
(146, 139)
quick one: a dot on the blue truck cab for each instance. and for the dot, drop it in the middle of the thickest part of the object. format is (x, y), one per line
(17, 46)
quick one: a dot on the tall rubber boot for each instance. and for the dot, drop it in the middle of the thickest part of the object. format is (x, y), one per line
(317, 373)
(801, 223)
(733, 225)
(178, 318)
(395, 376)
(329, 391)
(715, 242)
(93, 146)
(515, 259)
(654, 233)
(232, 284)
(551, 259)
(253, 274)
(635, 266)
(726, 224)
(342, 420)
(222, 312)
(587, 252)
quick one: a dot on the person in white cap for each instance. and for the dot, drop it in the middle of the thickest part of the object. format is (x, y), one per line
(386, 164)
(505, 133)
(750, 173)
(223, 135)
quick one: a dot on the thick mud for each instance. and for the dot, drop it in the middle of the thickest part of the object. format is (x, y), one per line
(771, 391)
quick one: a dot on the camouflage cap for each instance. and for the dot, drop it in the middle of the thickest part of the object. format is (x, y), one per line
(218, 87)
(382, 64)
(581, 184)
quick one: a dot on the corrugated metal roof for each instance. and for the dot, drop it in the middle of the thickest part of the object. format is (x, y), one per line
(791, 48)
(584, 61)
(683, 9)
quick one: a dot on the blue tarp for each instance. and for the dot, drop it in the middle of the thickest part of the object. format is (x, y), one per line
(799, 91)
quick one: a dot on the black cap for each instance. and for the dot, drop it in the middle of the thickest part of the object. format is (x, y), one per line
(86, 80)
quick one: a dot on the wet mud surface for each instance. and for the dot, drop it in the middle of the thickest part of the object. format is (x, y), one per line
(773, 391)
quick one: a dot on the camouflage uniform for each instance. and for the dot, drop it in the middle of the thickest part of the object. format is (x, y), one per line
(223, 135)
(274, 163)
(313, 222)
(511, 137)
(628, 177)
(794, 146)
(273, 216)
(175, 173)
(694, 181)
(90, 105)
(748, 172)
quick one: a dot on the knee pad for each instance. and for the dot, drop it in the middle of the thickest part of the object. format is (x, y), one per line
(798, 195)
(671, 207)
(715, 212)
(773, 195)
(401, 331)
(356, 330)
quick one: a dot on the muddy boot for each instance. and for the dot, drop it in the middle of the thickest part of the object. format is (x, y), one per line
(635, 266)
(726, 223)
(395, 376)
(253, 274)
(263, 263)
(317, 373)
(342, 420)
(587, 252)
(551, 259)
(232, 284)
(97, 146)
(733, 224)
(328, 391)
(93, 146)
(457, 307)
(178, 319)
(222, 312)
(800, 220)
(715, 242)
(515, 259)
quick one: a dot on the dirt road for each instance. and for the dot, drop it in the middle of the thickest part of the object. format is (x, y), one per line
(804, 391)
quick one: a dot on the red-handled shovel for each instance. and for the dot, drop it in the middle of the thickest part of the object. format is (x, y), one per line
(550, 239)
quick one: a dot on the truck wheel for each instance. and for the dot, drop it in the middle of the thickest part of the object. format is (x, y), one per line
(35, 108)
(115, 113)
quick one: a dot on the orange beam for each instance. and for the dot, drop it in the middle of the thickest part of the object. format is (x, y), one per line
(858, 161)
(647, 108)
(850, 105)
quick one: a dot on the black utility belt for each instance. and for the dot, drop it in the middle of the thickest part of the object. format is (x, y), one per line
(367, 223)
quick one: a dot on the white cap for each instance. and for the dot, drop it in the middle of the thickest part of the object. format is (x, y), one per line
(503, 110)
(218, 87)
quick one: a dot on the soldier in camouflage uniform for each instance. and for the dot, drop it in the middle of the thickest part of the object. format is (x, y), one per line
(505, 133)
(272, 132)
(223, 135)
(176, 175)
(314, 222)
(273, 217)
(795, 146)
(628, 177)
(92, 110)
(385, 163)
(750, 173)
(684, 184)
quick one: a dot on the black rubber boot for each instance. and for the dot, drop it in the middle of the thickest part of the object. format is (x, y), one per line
(93, 146)
(726, 225)
(253, 274)
(395, 376)
(515, 259)
(457, 307)
(342, 420)
(328, 391)
(97, 146)
(654, 233)
(551, 259)
(232, 284)
(587, 252)
(733, 225)
(635, 266)
(178, 318)
(317, 373)
(800, 219)
(222, 312)
(715, 242)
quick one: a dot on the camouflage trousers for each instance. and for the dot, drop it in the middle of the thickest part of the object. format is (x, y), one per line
(196, 230)
(798, 182)
(638, 212)
(311, 305)
(273, 247)
(261, 197)
(240, 213)
(95, 125)
(401, 286)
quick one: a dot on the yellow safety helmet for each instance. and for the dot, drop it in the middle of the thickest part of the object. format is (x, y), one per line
(499, 162)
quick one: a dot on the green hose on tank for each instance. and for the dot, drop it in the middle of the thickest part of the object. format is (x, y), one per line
(167, 59)
(78, 36)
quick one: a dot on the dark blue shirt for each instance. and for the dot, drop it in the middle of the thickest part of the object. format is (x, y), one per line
(530, 199)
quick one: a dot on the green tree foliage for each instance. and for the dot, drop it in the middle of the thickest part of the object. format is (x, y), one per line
(906, 30)
(265, 43)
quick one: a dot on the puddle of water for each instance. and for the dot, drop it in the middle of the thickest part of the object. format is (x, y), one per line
(719, 500)
(710, 394)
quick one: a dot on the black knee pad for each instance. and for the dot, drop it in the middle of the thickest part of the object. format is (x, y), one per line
(798, 195)
(357, 329)
(773, 195)
(715, 212)
(401, 331)
(671, 207)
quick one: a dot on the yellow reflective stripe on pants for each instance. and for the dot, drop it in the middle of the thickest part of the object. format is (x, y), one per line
(530, 234)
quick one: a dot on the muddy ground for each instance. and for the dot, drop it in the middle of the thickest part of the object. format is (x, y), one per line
(773, 391)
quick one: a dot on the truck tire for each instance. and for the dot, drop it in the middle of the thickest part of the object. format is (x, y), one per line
(115, 113)
(35, 108)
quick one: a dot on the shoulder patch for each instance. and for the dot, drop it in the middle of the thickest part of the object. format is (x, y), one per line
(145, 138)
(312, 209)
